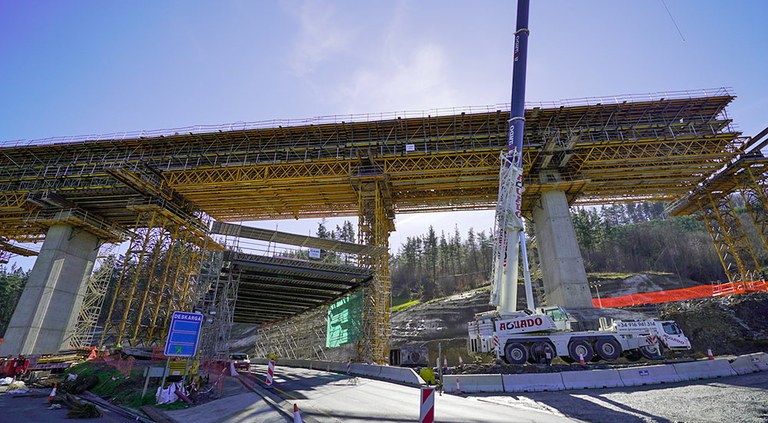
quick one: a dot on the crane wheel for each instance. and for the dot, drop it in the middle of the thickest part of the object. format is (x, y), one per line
(516, 353)
(581, 348)
(539, 352)
(652, 352)
(608, 349)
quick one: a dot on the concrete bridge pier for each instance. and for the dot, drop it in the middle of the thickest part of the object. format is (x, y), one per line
(47, 311)
(565, 280)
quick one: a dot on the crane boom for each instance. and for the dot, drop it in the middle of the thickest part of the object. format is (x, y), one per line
(509, 232)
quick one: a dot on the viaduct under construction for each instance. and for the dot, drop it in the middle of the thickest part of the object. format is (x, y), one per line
(171, 196)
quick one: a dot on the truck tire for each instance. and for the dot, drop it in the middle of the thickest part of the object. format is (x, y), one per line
(652, 352)
(581, 347)
(539, 352)
(608, 349)
(515, 353)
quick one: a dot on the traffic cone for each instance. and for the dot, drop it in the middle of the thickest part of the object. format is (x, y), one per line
(710, 356)
(458, 386)
(581, 359)
(53, 393)
(461, 363)
(296, 414)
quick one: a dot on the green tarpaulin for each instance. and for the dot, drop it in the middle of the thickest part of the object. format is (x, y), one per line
(344, 317)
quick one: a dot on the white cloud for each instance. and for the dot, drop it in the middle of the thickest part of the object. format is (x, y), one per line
(321, 36)
(414, 79)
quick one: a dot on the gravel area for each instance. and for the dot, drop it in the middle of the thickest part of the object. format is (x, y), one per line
(738, 399)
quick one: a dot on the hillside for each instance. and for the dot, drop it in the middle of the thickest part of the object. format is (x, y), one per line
(728, 325)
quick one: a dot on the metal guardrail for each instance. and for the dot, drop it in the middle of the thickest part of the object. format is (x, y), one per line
(364, 117)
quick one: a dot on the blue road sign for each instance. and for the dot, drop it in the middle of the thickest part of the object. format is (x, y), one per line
(183, 335)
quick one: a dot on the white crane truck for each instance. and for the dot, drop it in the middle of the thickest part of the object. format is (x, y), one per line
(535, 335)
(539, 337)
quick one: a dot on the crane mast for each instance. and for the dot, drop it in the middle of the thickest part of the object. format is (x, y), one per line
(510, 231)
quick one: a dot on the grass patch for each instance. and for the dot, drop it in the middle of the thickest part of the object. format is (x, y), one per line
(178, 405)
(400, 299)
(404, 306)
(114, 386)
(610, 275)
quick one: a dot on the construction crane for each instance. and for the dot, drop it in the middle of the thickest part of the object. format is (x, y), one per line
(538, 335)
(509, 232)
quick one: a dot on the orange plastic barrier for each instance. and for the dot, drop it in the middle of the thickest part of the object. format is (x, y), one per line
(671, 295)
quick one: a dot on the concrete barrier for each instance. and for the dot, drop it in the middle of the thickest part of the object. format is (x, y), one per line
(401, 374)
(648, 375)
(704, 369)
(589, 379)
(366, 369)
(533, 382)
(474, 383)
(750, 363)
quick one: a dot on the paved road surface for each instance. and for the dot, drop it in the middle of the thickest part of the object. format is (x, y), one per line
(35, 409)
(331, 397)
(737, 399)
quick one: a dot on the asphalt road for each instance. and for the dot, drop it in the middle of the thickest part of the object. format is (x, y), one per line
(737, 399)
(35, 409)
(332, 397)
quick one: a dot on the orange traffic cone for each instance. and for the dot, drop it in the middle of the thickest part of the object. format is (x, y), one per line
(296, 414)
(461, 363)
(710, 356)
(458, 386)
(53, 393)
(581, 359)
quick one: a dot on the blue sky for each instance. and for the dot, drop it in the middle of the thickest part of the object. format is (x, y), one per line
(89, 67)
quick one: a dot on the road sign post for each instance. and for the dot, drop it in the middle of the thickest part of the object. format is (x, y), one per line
(183, 336)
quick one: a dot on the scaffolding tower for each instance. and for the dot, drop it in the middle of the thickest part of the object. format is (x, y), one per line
(95, 292)
(219, 281)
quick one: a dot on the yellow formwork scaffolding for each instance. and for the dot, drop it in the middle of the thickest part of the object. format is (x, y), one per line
(159, 275)
(374, 225)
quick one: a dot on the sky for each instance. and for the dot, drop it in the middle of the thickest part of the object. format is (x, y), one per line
(91, 67)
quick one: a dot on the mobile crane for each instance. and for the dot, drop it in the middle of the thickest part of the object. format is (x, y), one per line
(536, 335)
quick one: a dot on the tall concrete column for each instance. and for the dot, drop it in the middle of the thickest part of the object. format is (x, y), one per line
(565, 280)
(48, 308)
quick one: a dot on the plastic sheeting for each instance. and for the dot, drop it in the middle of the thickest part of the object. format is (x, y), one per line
(344, 320)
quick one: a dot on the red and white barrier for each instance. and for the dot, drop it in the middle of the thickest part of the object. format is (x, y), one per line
(52, 395)
(270, 373)
(427, 412)
(349, 366)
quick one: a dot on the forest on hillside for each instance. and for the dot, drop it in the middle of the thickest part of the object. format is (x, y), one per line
(617, 238)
